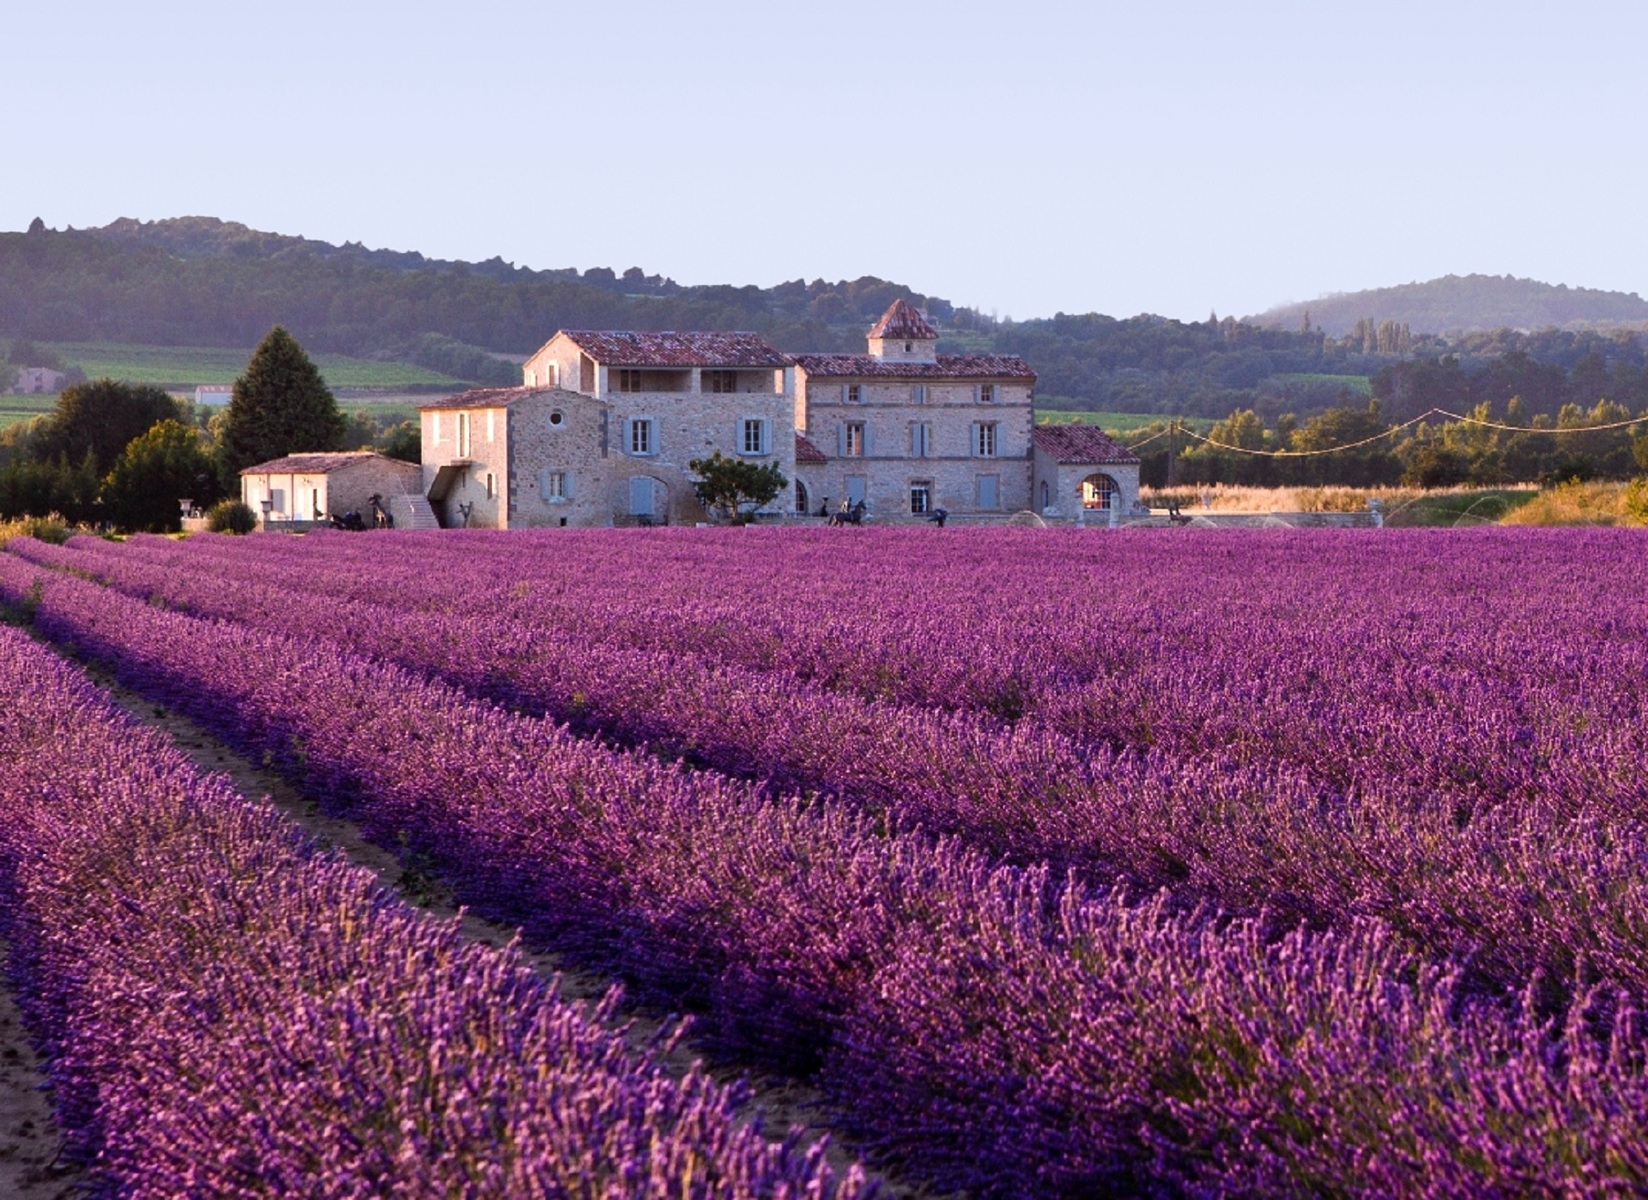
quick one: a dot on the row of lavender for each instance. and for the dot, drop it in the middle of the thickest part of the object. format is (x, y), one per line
(1487, 830)
(988, 1028)
(227, 1014)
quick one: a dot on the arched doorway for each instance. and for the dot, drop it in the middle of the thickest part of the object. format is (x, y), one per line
(801, 501)
(1100, 492)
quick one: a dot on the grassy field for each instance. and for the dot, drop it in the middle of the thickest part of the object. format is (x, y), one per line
(1112, 422)
(184, 367)
(20, 408)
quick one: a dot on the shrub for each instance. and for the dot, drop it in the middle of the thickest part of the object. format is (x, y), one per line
(52, 528)
(1635, 502)
(231, 516)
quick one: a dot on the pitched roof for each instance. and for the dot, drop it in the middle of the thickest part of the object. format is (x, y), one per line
(806, 452)
(1080, 444)
(320, 463)
(947, 366)
(902, 320)
(495, 397)
(630, 348)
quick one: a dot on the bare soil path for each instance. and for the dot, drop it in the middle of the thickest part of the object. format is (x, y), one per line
(29, 1140)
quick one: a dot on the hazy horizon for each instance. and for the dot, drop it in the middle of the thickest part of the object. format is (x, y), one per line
(1053, 157)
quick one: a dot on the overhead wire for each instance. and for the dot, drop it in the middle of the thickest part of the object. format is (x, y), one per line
(1176, 426)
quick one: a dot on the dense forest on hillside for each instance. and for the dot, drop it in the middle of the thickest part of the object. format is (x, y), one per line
(1465, 303)
(204, 282)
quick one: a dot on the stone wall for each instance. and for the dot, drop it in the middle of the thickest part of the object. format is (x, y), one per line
(893, 462)
(558, 433)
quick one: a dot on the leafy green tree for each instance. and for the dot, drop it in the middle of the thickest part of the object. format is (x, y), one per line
(156, 471)
(403, 441)
(1639, 451)
(101, 418)
(732, 487)
(279, 406)
(31, 487)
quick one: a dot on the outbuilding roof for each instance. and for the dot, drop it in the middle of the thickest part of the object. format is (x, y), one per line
(947, 366)
(320, 463)
(633, 348)
(494, 397)
(1080, 444)
(806, 452)
(903, 320)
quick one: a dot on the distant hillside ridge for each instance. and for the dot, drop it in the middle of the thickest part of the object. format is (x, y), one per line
(1465, 304)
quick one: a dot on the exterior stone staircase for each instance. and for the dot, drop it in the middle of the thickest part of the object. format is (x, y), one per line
(412, 512)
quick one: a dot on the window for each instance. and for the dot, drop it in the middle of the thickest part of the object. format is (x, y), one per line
(463, 435)
(491, 490)
(629, 380)
(642, 439)
(908, 347)
(754, 438)
(720, 381)
(557, 487)
(435, 429)
(989, 492)
(557, 418)
(984, 439)
(987, 393)
(921, 439)
(854, 447)
(801, 501)
(918, 393)
(921, 497)
(855, 393)
(857, 489)
(314, 502)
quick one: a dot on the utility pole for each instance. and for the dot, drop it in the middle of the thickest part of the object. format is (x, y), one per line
(1172, 455)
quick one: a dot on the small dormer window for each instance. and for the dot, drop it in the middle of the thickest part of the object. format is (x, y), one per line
(909, 347)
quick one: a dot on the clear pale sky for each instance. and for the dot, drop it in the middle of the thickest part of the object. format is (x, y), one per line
(1025, 158)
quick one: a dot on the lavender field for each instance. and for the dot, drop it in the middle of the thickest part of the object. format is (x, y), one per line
(1259, 862)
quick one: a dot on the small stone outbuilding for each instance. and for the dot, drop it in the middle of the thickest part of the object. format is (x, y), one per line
(310, 488)
(1081, 474)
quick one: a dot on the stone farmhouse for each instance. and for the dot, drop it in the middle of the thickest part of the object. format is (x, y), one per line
(606, 422)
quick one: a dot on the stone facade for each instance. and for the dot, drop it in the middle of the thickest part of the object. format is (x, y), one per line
(909, 431)
(516, 458)
(671, 398)
(307, 488)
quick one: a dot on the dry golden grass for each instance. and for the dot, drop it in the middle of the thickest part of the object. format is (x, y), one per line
(1586, 504)
(1230, 498)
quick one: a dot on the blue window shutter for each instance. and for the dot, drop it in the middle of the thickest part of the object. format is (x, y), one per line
(841, 440)
(566, 484)
(869, 441)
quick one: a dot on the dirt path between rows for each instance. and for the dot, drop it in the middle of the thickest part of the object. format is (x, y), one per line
(778, 1105)
(29, 1141)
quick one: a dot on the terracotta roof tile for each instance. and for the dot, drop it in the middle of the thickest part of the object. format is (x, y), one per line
(948, 366)
(1080, 444)
(806, 452)
(627, 348)
(494, 397)
(903, 320)
(313, 464)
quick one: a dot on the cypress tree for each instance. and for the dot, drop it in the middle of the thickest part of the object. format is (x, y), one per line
(279, 406)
